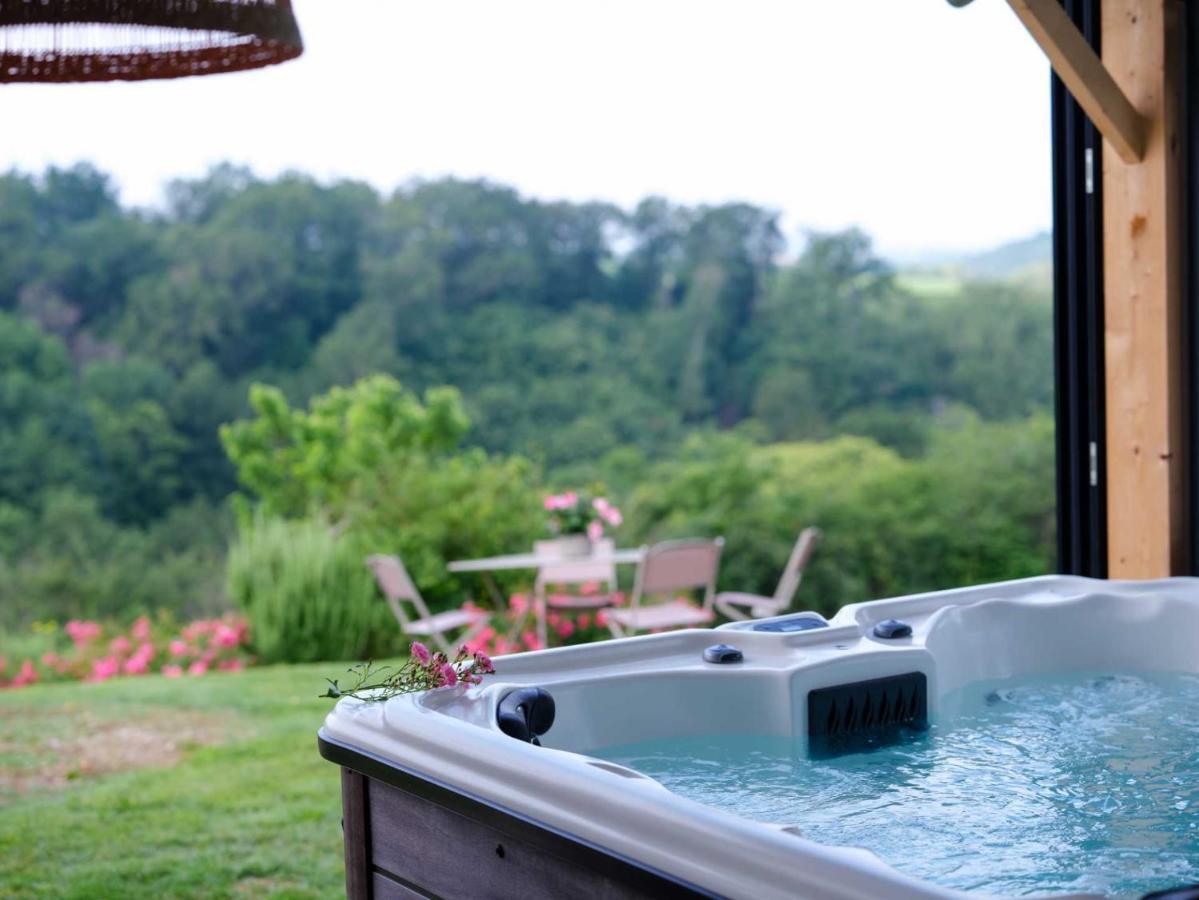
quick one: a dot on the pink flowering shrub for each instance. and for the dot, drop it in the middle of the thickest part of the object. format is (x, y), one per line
(91, 651)
(423, 671)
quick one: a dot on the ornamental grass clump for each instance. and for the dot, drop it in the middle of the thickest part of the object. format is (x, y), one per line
(422, 672)
(307, 593)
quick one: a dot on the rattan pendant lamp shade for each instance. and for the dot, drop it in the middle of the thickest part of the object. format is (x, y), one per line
(134, 40)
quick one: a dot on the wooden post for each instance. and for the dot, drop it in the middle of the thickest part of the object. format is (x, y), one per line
(1142, 224)
(1084, 75)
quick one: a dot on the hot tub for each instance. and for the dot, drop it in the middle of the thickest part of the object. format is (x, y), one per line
(439, 801)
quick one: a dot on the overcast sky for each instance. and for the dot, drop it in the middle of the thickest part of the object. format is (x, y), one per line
(925, 125)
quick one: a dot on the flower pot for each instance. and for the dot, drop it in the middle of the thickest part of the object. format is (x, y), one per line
(572, 545)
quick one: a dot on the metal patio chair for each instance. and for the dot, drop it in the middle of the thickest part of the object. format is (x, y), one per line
(572, 573)
(401, 593)
(666, 568)
(738, 605)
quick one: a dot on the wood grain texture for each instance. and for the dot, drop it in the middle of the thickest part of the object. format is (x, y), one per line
(1142, 222)
(387, 889)
(1084, 74)
(451, 855)
(356, 834)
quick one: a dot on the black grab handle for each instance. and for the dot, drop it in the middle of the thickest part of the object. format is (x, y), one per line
(525, 713)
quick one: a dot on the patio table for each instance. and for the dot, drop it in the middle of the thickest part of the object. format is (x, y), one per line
(488, 564)
(537, 560)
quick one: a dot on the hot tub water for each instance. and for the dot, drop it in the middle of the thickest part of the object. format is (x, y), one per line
(1081, 782)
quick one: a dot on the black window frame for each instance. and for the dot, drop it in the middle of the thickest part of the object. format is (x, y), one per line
(1079, 372)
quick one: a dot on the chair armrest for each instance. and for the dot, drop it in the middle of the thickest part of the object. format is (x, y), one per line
(739, 605)
(739, 598)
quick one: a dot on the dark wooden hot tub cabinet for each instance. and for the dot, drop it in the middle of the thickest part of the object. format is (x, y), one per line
(407, 836)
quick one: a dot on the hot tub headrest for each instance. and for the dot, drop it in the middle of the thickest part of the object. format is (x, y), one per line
(525, 713)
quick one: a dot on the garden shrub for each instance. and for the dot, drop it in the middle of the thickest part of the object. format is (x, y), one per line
(307, 593)
(385, 470)
(65, 560)
(979, 507)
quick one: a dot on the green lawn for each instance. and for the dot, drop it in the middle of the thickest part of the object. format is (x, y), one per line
(156, 787)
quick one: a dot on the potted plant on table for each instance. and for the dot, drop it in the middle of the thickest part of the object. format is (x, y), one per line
(577, 521)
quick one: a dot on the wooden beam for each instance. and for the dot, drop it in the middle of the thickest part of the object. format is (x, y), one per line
(1148, 519)
(1084, 75)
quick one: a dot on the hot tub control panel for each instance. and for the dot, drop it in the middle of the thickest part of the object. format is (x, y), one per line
(804, 621)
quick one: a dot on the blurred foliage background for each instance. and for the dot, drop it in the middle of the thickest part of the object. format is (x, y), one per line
(408, 373)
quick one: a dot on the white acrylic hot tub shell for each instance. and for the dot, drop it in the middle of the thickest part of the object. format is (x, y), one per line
(658, 686)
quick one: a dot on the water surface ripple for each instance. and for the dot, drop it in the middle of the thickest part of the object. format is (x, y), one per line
(1083, 782)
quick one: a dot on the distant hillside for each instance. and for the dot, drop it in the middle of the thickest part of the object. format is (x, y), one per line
(1028, 261)
(1008, 259)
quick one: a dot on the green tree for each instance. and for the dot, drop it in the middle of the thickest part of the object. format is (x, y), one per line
(298, 461)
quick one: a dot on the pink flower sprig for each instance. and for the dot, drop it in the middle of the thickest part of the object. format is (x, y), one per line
(422, 672)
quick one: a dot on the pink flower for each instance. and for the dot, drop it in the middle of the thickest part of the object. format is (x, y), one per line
(120, 645)
(141, 629)
(560, 501)
(584, 620)
(199, 667)
(565, 628)
(178, 647)
(195, 629)
(595, 530)
(420, 653)
(172, 671)
(226, 636)
(601, 618)
(104, 668)
(26, 675)
(482, 640)
(483, 661)
(231, 665)
(50, 660)
(518, 603)
(607, 511)
(139, 662)
(82, 633)
(530, 640)
(449, 675)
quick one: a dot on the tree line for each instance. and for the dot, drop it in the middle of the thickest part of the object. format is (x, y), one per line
(588, 340)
